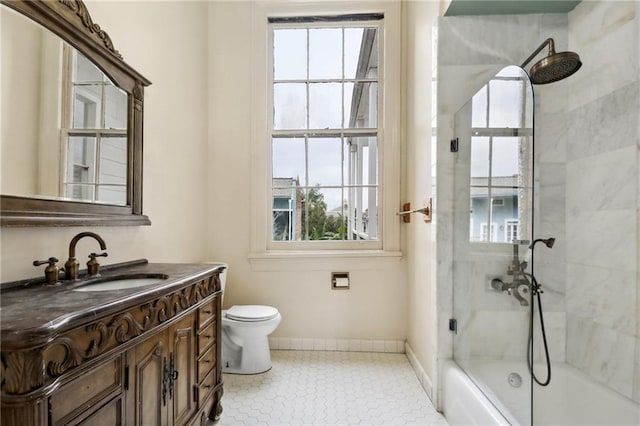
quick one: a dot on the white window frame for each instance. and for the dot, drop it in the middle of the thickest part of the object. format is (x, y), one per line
(389, 89)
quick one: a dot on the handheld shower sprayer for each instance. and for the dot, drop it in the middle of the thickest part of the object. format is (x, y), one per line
(549, 242)
(535, 292)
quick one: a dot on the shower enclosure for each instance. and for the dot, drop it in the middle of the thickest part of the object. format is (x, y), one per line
(526, 163)
(493, 227)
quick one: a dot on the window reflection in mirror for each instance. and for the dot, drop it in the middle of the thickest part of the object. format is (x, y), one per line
(501, 158)
(64, 128)
(96, 135)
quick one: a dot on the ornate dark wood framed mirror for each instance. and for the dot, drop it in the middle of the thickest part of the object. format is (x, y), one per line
(102, 191)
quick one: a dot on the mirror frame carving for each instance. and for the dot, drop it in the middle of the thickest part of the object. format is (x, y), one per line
(70, 20)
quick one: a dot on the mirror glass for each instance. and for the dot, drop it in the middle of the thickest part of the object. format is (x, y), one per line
(501, 144)
(64, 123)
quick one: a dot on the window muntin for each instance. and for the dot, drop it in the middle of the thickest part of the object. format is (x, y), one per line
(324, 131)
(94, 130)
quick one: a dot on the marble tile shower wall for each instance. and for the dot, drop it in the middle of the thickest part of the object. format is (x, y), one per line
(490, 324)
(588, 193)
(602, 196)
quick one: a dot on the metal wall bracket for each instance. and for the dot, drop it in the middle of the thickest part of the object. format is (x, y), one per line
(426, 211)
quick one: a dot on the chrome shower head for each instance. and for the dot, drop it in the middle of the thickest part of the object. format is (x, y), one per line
(553, 67)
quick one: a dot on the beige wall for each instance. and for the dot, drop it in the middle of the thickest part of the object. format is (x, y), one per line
(197, 178)
(418, 19)
(376, 305)
(172, 57)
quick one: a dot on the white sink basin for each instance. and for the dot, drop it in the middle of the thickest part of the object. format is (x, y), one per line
(121, 283)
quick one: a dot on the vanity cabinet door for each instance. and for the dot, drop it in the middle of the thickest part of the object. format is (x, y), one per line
(162, 376)
(183, 359)
(147, 394)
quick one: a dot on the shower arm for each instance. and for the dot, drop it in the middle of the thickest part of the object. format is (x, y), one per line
(552, 50)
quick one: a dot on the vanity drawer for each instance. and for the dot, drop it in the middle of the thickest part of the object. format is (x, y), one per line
(87, 392)
(206, 363)
(207, 313)
(206, 337)
(206, 387)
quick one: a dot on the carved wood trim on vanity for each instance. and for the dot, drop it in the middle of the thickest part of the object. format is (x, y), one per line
(27, 370)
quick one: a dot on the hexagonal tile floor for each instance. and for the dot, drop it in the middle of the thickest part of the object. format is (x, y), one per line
(329, 388)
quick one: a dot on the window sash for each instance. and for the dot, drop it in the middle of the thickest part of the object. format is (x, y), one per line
(355, 224)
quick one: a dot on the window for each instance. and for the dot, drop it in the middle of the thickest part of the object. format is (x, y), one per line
(94, 134)
(325, 174)
(500, 156)
(325, 128)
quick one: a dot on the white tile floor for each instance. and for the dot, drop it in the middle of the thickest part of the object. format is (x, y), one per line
(329, 388)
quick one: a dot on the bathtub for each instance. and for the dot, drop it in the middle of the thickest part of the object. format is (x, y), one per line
(572, 398)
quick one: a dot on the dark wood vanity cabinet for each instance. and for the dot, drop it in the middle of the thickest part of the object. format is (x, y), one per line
(155, 363)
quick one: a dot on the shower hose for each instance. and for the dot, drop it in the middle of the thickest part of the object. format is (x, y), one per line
(535, 288)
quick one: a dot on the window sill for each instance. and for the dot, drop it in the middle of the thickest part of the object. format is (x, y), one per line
(319, 260)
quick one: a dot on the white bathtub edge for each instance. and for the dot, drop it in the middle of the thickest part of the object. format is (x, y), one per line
(463, 403)
(423, 378)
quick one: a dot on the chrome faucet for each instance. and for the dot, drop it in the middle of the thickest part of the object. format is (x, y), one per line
(71, 266)
(520, 284)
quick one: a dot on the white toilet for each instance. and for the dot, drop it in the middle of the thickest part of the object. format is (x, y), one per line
(245, 336)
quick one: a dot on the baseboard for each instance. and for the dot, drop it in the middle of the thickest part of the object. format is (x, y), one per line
(342, 345)
(423, 378)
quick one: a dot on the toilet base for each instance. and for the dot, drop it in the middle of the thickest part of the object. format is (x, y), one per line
(251, 357)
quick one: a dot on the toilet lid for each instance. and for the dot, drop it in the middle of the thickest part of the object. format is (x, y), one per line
(251, 312)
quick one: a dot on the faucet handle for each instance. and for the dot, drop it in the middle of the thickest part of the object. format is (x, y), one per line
(51, 272)
(51, 261)
(93, 256)
(93, 265)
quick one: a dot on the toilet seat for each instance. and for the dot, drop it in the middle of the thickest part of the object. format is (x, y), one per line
(251, 313)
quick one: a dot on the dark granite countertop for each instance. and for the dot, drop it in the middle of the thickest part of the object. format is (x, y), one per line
(30, 310)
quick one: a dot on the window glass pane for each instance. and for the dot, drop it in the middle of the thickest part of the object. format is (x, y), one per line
(290, 54)
(81, 159)
(479, 160)
(479, 207)
(504, 206)
(352, 44)
(289, 159)
(325, 161)
(362, 112)
(325, 100)
(362, 161)
(112, 194)
(115, 114)
(87, 101)
(85, 71)
(325, 53)
(505, 106)
(286, 210)
(113, 160)
(322, 217)
(505, 161)
(289, 106)
(479, 108)
(363, 213)
(80, 192)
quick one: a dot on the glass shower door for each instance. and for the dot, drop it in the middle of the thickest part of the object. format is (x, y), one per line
(493, 221)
